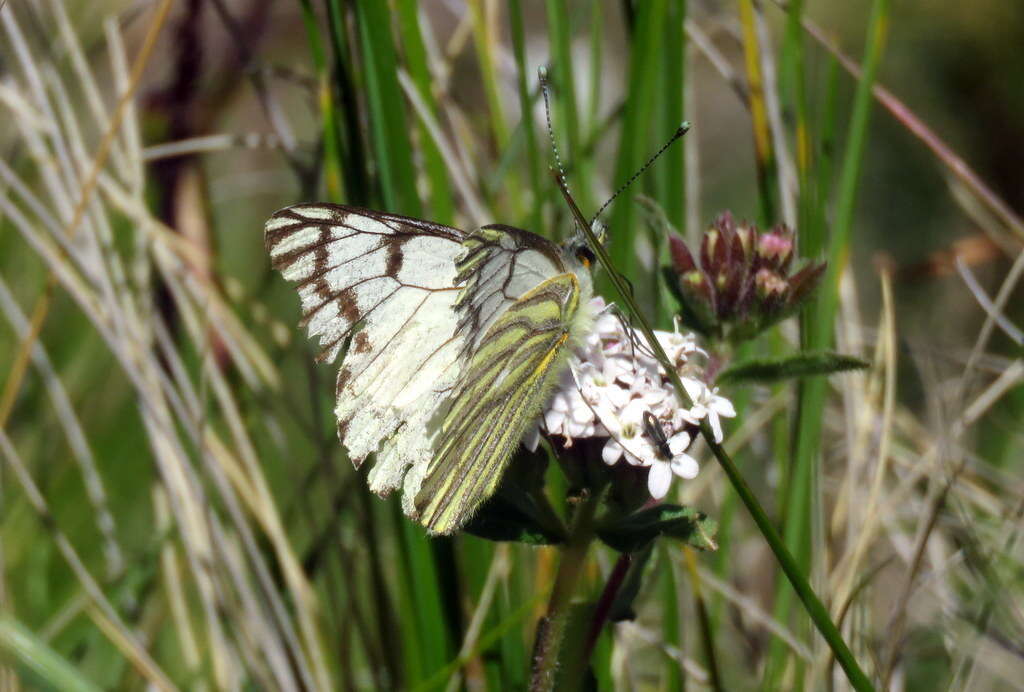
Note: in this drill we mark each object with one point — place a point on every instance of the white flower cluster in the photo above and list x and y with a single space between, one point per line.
616 389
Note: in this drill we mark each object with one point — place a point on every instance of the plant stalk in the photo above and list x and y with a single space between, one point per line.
551 628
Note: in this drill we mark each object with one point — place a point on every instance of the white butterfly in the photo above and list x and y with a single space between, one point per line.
452 342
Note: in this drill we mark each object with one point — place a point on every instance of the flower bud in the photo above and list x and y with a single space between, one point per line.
769 284
682 260
742 284
775 248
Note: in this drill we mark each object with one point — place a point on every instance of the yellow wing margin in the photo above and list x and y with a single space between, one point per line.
503 389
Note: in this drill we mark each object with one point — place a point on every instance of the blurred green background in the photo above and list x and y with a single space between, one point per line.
232 545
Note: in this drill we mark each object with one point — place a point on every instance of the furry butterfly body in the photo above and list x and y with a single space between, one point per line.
452 342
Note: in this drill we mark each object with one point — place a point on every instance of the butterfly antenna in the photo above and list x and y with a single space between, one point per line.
563 186
628 330
680 131
542 74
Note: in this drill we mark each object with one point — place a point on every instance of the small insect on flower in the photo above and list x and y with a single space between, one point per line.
615 389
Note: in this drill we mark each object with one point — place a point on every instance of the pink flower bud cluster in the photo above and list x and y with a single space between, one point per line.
742 283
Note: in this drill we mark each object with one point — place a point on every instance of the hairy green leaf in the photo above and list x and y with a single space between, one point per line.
634 532
800 365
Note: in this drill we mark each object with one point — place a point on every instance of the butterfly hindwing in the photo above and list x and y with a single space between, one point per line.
499 264
501 392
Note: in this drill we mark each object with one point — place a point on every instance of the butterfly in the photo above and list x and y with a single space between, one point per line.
452 342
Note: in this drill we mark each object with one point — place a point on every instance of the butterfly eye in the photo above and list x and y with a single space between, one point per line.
585 255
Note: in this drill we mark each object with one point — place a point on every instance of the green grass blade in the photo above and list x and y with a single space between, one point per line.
22 645
672 629
348 153
485 41
566 115
818 319
849 177
332 131
644 81
596 66
442 207
669 174
820 316
764 154
534 171
386 110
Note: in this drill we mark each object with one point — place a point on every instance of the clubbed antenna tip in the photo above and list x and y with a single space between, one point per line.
683 128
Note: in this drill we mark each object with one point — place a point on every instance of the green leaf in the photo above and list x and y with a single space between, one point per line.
634 532
800 365
505 519
24 646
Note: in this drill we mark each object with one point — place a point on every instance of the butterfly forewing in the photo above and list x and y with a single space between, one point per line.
500 394
384 284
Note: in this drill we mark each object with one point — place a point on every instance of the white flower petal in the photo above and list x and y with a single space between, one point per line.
695 389
659 478
723 406
716 425
575 429
553 420
560 403
581 411
682 417
685 466
616 395
611 452
679 442
633 412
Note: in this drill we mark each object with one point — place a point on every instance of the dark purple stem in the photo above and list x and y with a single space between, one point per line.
604 604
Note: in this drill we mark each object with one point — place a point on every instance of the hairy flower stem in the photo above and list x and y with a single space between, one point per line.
551 628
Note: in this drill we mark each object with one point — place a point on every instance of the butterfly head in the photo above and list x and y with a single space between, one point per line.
579 247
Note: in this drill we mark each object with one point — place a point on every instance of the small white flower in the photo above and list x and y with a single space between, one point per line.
706 402
612 451
678 346
680 464
596 386
614 382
